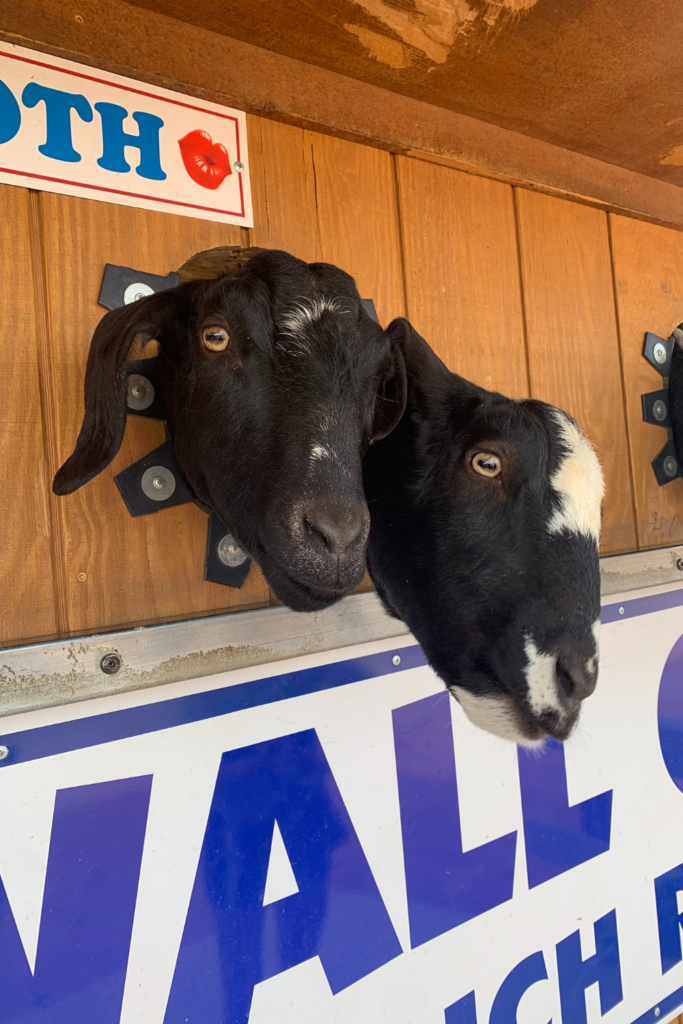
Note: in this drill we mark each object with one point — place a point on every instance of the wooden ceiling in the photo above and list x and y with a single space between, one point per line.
600 77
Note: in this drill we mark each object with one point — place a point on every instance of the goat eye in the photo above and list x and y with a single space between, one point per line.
486 464
216 339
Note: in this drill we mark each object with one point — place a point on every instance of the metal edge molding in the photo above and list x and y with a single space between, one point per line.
65 671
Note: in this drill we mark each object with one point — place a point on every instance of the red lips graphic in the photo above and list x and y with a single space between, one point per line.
207 162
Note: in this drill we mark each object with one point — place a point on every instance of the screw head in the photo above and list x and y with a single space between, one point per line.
659 410
659 353
239 166
657 1011
158 483
396 660
111 663
140 392
621 609
4 751
82 577
230 553
136 291
670 466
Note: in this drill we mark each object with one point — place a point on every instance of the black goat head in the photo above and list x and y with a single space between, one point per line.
484 540
275 381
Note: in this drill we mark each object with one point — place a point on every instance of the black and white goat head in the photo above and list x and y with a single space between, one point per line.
484 540
275 382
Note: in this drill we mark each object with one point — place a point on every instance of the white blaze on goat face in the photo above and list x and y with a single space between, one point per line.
578 482
318 452
541 679
305 312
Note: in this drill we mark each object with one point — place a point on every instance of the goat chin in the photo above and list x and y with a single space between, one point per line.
495 715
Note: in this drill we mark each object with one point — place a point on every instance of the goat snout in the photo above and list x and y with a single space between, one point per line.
337 527
576 677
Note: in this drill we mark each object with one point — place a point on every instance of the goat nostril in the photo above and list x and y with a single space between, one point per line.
574 680
338 528
565 680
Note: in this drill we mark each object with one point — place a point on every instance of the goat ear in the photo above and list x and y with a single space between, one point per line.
391 398
426 373
104 421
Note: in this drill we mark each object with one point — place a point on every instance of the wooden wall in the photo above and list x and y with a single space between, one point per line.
522 292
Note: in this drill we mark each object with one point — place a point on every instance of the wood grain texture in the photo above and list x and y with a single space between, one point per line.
27 610
462 273
147 46
283 189
358 218
572 338
150 568
322 198
648 271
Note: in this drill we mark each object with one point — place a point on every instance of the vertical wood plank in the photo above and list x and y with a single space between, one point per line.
322 198
27 609
572 338
149 568
648 270
462 273
358 218
283 189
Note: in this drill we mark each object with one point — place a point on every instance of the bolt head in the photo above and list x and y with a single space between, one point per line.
230 553
670 466
659 353
659 410
4 751
396 660
159 482
136 291
679 564
239 166
111 663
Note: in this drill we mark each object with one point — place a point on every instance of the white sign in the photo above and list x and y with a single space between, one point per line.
329 841
69 128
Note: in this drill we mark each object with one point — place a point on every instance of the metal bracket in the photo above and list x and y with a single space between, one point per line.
657 405
225 561
144 389
123 285
153 482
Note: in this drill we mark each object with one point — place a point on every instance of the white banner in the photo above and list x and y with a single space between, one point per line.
328 840
68 128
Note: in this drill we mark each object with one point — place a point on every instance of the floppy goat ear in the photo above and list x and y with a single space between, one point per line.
392 395
104 421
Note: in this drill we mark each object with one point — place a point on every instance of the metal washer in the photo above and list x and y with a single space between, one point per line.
230 553
140 392
136 290
158 483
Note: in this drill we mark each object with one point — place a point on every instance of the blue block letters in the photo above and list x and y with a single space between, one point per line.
558 837
10 114
115 140
669 920
445 885
575 974
519 980
231 941
87 916
58 107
